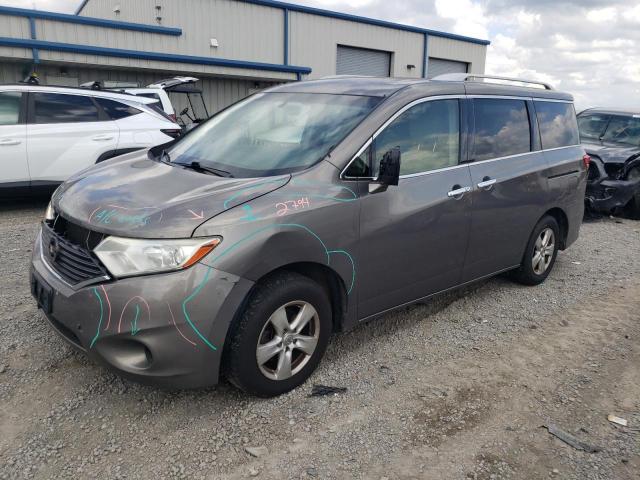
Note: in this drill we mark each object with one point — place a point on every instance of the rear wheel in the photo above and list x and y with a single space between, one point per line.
540 254
281 336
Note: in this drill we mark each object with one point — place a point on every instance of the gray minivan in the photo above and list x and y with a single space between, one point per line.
302 211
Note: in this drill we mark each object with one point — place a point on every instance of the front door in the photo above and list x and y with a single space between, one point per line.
413 236
14 170
509 184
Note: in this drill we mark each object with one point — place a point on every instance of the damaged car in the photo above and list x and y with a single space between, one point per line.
612 139
303 210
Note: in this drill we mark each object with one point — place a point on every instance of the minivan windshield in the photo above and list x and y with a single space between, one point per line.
272 133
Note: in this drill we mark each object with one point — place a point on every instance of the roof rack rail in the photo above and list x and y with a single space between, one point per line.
467 77
338 77
109 85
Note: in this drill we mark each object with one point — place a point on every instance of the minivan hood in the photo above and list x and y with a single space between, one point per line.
133 196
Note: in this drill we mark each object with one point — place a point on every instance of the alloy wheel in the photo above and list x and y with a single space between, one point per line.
288 340
543 251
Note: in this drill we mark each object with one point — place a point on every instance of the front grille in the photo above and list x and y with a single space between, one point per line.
76 234
65 250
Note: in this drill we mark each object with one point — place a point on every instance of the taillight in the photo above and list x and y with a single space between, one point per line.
172 132
173 117
586 159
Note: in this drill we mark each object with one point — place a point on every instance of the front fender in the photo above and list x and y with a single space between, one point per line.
301 222
256 252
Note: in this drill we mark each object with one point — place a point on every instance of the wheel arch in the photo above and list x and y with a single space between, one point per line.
327 278
563 223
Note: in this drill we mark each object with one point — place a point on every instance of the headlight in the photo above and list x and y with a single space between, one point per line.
125 257
49 213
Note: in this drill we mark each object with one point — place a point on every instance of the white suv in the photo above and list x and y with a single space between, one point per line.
49 133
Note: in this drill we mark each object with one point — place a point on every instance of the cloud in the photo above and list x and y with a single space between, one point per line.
606 14
586 47
467 16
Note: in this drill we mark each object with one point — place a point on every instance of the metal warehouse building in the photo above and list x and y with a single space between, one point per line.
234 46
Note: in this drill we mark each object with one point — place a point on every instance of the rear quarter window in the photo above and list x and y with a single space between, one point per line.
558 124
117 110
156 107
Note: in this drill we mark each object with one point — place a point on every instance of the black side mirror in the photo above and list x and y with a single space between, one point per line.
390 167
184 111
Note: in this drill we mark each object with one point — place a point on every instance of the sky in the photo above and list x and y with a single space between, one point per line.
585 47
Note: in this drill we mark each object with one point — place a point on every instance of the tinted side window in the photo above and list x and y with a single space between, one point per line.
10 108
558 124
61 108
428 136
502 128
156 105
592 126
116 110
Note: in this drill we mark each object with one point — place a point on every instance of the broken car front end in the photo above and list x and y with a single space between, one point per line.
612 185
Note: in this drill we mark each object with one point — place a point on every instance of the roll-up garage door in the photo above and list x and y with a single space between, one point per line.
438 66
361 61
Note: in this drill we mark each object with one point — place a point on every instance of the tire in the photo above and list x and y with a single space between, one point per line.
528 273
633 207
276 300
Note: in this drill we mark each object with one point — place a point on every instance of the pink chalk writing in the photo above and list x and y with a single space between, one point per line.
285 207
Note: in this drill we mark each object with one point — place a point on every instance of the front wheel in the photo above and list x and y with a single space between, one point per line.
540 254
281 336
633 207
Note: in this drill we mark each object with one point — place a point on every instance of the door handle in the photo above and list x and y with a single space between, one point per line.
458 192
487 183
10 141
102 138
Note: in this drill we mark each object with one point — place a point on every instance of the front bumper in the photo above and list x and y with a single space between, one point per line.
166 329
605 194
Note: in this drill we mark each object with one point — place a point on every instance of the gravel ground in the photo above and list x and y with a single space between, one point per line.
456 388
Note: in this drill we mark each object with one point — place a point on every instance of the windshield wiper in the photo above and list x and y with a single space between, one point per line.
201 168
